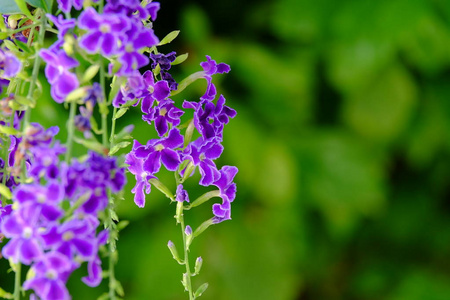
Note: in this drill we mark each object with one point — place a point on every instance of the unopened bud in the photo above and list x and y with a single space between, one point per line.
174 251
198 265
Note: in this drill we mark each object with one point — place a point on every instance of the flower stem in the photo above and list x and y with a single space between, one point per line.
70 130
37 63
17 282
186 257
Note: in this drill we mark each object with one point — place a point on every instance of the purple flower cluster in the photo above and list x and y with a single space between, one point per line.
54 226
170 150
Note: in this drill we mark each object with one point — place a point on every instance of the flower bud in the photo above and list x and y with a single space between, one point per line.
198 265
174 251
188 230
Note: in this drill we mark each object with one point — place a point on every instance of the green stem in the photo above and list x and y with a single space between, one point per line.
70 130
186 259
37 63
17 282
113 128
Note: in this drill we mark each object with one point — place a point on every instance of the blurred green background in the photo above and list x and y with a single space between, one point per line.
342 141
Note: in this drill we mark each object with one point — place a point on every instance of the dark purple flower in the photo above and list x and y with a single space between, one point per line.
158 91
165 63
210 68
209 119
57 72
227 189
83 120
49 279
160 150
105 31
9 64
142 177
163 114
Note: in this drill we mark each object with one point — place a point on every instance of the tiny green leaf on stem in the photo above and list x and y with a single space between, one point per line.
120 113
5 192
203 227
200 290
117 147
5 295
180 58
9 130
203 198
169 38
162 188
24 9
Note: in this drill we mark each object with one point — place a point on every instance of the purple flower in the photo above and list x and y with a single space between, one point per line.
133 9
210 68
182 195
227 189
162 150
132 90
63 25
142 177
162 115
165 63
105 31
209 118
202 154
49 279
21 227
9 64
66 5
72 238
138 37
154 91
57 72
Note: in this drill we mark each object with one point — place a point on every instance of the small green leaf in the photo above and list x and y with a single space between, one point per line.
5 192
25 101
5 295
200 290
24 9
23 46
203 198
122 224
169 38
11 46
180 58
120 113
9 130
91 144
162 188
118 147
90 73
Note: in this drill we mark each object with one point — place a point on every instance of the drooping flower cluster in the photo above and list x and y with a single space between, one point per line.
54 225
171 149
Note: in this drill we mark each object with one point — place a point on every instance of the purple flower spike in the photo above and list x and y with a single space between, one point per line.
57 72
49 281
157 151
9 64
104 31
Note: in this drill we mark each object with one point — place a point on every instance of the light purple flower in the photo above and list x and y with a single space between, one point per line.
182 195
142 177
62 81
104 31
10 65
227 189
210 68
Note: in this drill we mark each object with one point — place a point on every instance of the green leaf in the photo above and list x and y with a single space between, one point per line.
169 38
23 46
200 290
11 46
118 147
9 130
25 101
120 113
203 198
162 188
90 73
9 7
180 58
46 5
5 192
91 144
5 295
